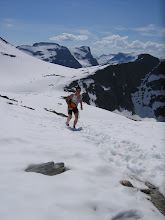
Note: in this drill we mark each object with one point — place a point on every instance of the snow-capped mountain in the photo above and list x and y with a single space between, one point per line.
52 53
122 58
57 54
107 149
83 56
117 58
104 58
73 57
137 87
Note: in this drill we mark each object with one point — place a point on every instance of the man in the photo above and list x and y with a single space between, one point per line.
73 100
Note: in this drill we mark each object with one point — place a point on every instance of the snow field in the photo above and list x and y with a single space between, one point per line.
97 158
109 148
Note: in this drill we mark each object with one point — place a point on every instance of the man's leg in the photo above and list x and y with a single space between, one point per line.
76 119
69 118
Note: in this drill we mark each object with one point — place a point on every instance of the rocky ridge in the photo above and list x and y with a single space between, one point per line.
137 87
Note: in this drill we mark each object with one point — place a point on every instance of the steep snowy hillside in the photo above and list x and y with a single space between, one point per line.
84 56
24 70
106 149
136 87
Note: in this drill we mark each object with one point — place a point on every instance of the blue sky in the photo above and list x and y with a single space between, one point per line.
106 26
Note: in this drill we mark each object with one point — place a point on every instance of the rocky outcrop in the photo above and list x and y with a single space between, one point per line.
9 55
6 97
57 113
156 197
126 183
49 168
137 87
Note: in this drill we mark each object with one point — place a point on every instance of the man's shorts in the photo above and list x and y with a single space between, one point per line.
74 110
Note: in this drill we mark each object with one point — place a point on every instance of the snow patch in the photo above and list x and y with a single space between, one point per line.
106 88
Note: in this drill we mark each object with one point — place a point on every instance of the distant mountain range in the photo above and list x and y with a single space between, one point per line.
54 53
74 57
116 58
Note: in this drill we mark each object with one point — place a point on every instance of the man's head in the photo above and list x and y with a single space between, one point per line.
78 89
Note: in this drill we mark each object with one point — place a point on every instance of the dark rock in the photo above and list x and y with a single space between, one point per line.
5 97
57 113
157 198
9 55
49 168
28 107
146 191
126 183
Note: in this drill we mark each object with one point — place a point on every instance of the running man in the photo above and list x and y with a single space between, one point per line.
73 101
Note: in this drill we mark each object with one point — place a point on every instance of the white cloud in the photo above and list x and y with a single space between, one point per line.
111 40
121 44
115 37
83 32
150 27
69 37
136 45
150 30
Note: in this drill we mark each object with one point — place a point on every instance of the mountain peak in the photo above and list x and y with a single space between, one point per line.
145 56
84 56
84 48
45 44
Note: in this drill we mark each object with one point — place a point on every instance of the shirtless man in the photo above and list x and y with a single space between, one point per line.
73 100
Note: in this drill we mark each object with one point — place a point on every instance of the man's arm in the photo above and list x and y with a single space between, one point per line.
81 104
69 98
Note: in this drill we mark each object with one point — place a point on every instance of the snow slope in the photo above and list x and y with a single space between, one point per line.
109 148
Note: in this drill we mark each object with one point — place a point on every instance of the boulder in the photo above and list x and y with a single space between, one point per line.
49 168
157 199
126 183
